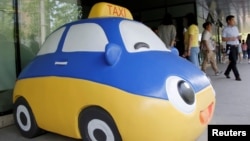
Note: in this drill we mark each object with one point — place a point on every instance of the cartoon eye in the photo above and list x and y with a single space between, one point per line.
180 94
141 45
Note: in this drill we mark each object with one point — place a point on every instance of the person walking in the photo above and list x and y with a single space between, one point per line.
244 49
248 47
230 34
208 49
191 40
240 52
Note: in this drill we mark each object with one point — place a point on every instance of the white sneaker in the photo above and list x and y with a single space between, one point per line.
218 73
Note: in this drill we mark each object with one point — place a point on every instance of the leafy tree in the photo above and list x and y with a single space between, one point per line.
62 12
56 13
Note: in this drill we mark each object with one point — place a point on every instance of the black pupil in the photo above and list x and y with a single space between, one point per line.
23 118
186 92
100 135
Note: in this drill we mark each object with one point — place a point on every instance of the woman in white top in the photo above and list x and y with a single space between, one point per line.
240 52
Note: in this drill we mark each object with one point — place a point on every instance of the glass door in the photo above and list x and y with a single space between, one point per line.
7 55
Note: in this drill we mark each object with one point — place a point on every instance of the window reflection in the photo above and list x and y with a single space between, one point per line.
37 19
41 17
7 56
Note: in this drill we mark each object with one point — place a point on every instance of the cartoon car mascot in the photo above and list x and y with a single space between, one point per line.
110 78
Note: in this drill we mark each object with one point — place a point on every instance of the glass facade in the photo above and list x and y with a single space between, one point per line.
7 54
7 50
24 26
37 19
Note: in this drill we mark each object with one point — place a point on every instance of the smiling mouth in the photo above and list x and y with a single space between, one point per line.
206 114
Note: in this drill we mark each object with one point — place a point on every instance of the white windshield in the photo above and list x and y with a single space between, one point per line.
138 37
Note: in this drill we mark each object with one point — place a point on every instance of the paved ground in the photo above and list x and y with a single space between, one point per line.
232 107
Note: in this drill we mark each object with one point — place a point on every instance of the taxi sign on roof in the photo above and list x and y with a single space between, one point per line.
103 9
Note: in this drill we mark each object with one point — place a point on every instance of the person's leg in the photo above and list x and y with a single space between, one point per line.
239 50
224 55
235 70
213 62
239 57
197 52
205 61
248 55
227 72
244 54
234 52
229 67
194 56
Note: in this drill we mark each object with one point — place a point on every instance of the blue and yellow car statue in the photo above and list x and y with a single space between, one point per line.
110 78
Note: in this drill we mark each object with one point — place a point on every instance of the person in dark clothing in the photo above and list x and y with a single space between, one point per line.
248 47
230 35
